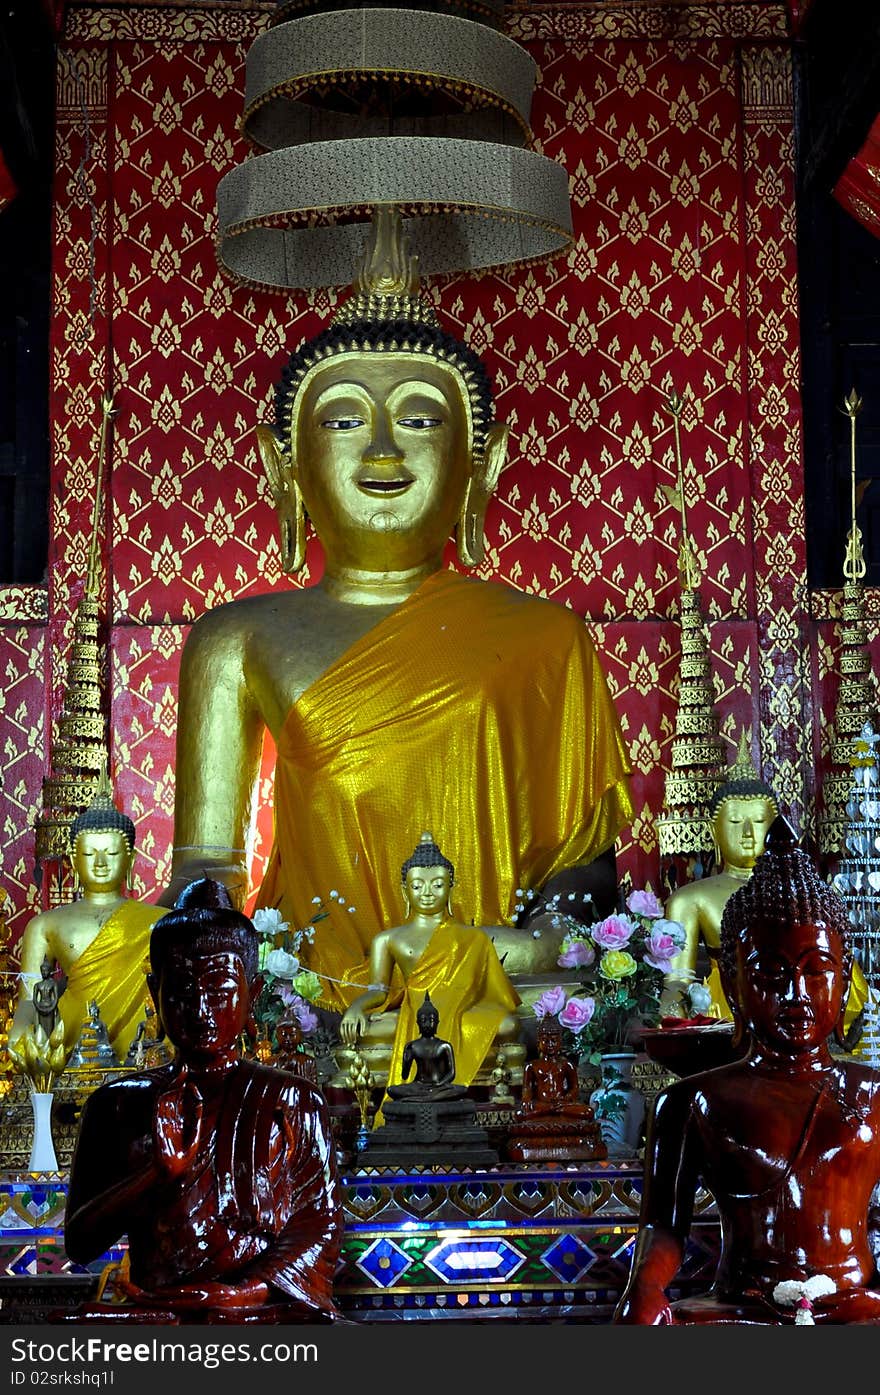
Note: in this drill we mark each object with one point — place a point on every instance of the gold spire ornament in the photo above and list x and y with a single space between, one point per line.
697 761
856 695
79 752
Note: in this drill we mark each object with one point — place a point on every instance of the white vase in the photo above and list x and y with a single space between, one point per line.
42 1157
622 1133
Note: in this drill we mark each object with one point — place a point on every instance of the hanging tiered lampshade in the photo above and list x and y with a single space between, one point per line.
422 109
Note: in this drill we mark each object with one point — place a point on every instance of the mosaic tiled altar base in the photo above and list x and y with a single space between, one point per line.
552 1244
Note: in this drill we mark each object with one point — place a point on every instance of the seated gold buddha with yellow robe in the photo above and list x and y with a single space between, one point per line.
741 812
100 941
456 965
396 690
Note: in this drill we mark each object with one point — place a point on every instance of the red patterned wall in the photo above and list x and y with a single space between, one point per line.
676 132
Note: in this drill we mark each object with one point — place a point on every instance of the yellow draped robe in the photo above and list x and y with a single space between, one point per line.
473 711
112 971
460 969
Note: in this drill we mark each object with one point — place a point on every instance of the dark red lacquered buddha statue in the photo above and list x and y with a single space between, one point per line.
221 1171
787 1139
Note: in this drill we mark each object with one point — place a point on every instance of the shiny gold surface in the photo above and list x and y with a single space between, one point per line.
456 964
390 669
738 828
100 943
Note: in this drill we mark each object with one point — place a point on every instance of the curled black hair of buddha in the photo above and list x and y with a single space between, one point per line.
427 855
204 921
387 336
102 816
741 789
784 889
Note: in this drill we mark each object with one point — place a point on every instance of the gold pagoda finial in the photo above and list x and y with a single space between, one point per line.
743 767
854 567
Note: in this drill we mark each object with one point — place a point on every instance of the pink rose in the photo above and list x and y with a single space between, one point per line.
613 932
660 948
644 903
550 1003
577 956
577 1013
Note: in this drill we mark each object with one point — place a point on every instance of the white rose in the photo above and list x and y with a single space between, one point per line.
268 923
282 964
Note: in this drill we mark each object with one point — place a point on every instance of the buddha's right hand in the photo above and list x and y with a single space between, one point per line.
353 1026
177 1126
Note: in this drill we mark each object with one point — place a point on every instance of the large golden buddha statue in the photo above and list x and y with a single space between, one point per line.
396 689
101 940
431 953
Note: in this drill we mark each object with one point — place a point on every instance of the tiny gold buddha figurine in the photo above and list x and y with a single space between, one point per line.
394 683
431 953
101 940
552 1124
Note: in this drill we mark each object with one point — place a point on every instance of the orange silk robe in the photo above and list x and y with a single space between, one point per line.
473 711
112 971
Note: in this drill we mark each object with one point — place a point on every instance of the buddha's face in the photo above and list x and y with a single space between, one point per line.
428 889
381 452
102 858
203 1001
790 985
549 1040
741 825
427 1023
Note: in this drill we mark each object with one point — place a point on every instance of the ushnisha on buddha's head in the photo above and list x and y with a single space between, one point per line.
785 954
384 433
204 957
427 878
102 845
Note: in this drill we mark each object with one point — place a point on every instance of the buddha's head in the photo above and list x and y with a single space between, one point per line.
102 844
46 967
383 428
428 878
548 1035
427 1018
204 957
740 813
785 957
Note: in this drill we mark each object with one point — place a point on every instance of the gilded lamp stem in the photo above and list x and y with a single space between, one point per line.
687 565
854 567
107 414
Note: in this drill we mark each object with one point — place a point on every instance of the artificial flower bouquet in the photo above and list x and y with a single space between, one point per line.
287 988
622 961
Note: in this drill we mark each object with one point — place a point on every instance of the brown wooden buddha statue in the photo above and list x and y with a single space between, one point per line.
787 1139
552 1123
220 1170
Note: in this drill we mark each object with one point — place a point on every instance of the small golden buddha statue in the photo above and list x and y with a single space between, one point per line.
432 953
741 812
394 682
101 941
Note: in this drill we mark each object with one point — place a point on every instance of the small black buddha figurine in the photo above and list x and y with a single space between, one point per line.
434 1061
45 997
429 1119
